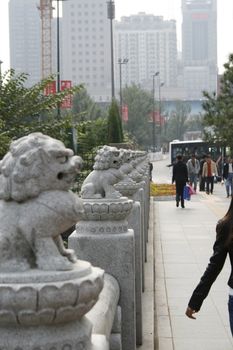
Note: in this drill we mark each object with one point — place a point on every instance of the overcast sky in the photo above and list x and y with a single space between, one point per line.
170 9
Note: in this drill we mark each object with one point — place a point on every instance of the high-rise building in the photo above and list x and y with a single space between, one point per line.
25 29
86 46
150 44
25 38
199 46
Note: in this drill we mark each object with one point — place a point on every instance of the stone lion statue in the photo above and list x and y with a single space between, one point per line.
36 205
99 183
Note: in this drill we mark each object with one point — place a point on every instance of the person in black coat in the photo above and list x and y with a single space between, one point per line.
223 246
180 177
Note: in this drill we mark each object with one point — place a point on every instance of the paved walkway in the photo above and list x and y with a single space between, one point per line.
183 240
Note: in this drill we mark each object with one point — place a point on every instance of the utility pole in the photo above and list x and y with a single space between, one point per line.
120 62
160 121
111 16
46 37
58 57
153 112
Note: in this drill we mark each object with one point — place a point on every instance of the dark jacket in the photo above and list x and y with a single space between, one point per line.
225 170
221 249
180 172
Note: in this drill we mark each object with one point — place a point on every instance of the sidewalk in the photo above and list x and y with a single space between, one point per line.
183 245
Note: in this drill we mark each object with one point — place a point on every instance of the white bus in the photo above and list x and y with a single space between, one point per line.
197 147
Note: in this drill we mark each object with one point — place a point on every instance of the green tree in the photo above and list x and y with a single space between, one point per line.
218 116
24 110
140 105
84 108
92 134
178 121
195 123
115 132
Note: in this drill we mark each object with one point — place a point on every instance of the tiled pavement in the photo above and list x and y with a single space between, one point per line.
179 247
183 240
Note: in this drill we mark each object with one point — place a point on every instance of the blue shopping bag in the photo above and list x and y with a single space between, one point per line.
186 193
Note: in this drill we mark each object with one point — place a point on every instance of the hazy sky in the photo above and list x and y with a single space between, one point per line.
167 8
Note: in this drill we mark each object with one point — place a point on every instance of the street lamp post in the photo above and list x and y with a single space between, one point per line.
120 62
111 16
58 49
153 113
160 121
58 56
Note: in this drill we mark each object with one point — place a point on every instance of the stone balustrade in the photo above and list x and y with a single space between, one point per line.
113 231
53 298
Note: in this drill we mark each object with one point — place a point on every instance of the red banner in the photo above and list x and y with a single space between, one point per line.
157 118
67 102
50 88
125 113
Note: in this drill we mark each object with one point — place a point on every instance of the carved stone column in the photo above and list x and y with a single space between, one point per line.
103 238
129 188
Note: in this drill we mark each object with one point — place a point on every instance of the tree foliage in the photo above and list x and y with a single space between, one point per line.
84 108
24 110
178 121
92 134
218 117
115 132
140 105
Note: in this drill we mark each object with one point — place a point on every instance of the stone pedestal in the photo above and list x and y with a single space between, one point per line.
129 188
104 239
45 310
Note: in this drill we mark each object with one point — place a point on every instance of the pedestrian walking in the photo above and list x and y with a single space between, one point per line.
223 246
228 176
208 172
180 177
150 170
202 178
193 166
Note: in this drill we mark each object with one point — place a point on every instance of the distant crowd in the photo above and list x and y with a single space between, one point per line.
206 172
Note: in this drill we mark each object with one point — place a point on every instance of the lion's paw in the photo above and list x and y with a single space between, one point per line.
70 254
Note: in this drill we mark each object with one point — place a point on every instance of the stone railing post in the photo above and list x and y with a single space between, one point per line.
128 188
103 237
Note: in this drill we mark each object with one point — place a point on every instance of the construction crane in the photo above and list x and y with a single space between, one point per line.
46 10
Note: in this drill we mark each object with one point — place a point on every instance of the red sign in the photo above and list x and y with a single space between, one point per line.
125 113
50 88
200 16
157 118
67 102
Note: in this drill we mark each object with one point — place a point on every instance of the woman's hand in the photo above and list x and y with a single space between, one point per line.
189 312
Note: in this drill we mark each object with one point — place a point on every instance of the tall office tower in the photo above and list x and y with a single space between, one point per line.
86 46
199 46
25 38
150 44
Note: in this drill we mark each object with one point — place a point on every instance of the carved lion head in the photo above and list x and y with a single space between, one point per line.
36 163
108 157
